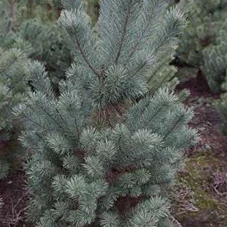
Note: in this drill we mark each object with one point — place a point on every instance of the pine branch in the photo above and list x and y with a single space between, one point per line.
161 83
61 116
12 86
77 128
136 72
186 142
173 127
157 112
124 31
11 63
85 58
157 69
138 42
30 119
51 117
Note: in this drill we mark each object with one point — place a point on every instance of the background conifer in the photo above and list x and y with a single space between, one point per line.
13 89
205 19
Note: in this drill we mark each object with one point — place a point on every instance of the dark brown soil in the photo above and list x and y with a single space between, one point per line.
207 120
14 195
198 87
206 164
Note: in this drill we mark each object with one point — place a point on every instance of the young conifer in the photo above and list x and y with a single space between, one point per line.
106 148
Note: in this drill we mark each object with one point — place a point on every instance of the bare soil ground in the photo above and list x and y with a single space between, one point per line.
202 186
14 195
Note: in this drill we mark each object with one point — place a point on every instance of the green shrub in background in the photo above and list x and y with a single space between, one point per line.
216 70
92 8
21 38
6 24
35 22
99 157
48 46
13 89
13 86
205 19
215 61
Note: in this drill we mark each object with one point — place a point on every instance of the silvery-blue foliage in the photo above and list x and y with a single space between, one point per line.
106 148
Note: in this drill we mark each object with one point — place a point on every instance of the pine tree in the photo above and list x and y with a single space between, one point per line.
105 149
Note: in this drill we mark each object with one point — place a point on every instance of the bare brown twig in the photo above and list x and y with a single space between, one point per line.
13 13
14 216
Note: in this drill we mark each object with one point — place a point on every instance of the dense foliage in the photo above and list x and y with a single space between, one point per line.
22 36
205 19
35 23
215 61
13 88
216 68
105 149
92 9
